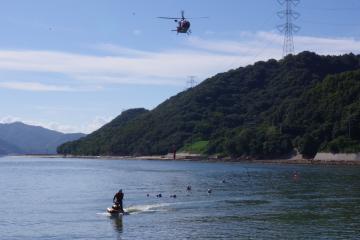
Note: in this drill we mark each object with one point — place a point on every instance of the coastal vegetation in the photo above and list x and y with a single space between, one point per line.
303 103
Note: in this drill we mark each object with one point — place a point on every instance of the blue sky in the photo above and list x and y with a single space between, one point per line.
74 65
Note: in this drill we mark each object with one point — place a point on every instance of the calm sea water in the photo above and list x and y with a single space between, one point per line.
67 198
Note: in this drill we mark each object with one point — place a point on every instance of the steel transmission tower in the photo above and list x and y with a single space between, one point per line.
192 82
288 28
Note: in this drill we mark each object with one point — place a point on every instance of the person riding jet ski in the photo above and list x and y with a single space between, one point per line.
118 201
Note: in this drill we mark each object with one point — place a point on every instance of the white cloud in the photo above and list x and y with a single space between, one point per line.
33 86
320 45
121 65
88 127
96 123
9 119
236 48
137 32
210 32
119 50
140 69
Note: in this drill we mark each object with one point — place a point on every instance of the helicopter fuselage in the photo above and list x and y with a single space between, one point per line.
183 26
183 23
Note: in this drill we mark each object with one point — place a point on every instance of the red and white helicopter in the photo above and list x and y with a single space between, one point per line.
183 23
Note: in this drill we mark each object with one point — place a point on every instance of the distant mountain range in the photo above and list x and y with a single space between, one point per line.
20 138
303 103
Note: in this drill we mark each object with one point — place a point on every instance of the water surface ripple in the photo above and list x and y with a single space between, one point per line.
67 198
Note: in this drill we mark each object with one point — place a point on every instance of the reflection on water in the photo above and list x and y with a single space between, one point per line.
117 222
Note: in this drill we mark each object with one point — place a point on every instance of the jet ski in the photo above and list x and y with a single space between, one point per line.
115 210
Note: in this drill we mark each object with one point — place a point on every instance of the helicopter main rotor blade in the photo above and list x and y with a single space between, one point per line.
198 18
168 18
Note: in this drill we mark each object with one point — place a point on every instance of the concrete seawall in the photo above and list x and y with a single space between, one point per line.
337 157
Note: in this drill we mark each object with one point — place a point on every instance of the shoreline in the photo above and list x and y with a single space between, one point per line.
200 159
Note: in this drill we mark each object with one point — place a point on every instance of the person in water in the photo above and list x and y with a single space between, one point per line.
118 200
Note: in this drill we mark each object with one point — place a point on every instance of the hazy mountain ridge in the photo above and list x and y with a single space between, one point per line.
262 110
20 138
7 148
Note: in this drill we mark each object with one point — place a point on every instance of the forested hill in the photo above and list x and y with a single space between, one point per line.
107 139
304 102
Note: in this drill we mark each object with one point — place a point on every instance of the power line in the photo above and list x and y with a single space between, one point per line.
288 28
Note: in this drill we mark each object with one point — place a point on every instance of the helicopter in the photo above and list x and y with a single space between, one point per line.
183 23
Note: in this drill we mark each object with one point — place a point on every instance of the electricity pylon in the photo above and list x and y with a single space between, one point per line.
288 28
